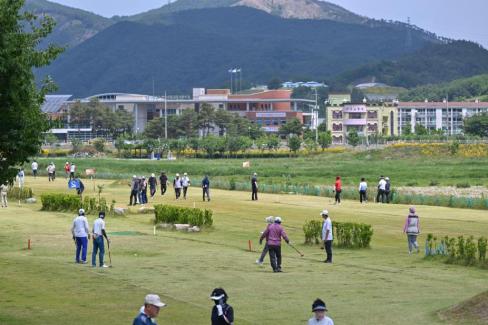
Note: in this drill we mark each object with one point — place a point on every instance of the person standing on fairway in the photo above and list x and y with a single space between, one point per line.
319 309
387 189
72 171
21 177
254 185
206 188
412 229
153 184
34 167
338 190
81 234
380 197
327 236
50 172
98 244
133 190
3 194
363 187
273 235
269 221
163 180
177 185
67 168
152 305
185 183
222 313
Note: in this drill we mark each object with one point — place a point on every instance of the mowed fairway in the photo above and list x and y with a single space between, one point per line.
381 285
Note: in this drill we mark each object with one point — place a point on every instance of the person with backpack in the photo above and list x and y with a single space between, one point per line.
206 188
153 184
260 260
412 229
163 180
363 187
273 235
222 313
338 190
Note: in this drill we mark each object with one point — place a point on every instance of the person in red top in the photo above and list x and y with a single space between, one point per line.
67 168
338 190
273 235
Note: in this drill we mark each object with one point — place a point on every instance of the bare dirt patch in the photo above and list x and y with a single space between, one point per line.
472 310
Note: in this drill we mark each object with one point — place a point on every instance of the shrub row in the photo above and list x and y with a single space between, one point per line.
460 250
16 193
174 215
71 203
346 234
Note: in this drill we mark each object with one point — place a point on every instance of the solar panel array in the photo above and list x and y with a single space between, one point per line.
53 103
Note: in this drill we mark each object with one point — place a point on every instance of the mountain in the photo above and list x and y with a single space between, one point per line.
298 9
434 63
458 90
197 47
73 26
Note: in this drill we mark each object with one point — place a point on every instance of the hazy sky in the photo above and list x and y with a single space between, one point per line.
451 18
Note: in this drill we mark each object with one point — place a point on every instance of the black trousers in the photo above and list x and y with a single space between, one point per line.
362 196
275 257
328 250
178 192
254 195
163 189
185 189
387 196
380 196
206 191
133 194
338 196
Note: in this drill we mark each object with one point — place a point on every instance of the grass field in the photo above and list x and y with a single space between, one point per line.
381 285
404 166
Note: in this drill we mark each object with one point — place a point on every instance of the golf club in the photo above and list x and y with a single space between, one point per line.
301 254
109 254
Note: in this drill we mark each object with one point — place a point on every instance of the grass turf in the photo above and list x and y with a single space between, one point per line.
381 285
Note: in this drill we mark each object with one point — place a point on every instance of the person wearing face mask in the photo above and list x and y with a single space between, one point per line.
222 313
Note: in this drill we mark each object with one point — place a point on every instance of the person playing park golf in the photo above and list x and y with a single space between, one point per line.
133 190
273 235
72 171
338 190
363 187
387 189
153 183
50 172
3 194
206 188
380 197
67 168
152 305
81 233
327 235
222 313
21 177
185 183
98 245
177 185
319 308
254 186
412 229
34 167
163 180
260 260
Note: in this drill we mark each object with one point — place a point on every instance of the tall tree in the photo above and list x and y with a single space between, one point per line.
206 118
22 121
292 127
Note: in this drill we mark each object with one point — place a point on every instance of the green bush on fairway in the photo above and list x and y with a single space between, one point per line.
173 215
19 193
346 234
71 203
460 250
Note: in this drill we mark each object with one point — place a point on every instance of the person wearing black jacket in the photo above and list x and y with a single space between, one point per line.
163 180
206 188
254 185
222 313
153 183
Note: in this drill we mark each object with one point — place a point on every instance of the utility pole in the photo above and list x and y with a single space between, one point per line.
165 116
316 116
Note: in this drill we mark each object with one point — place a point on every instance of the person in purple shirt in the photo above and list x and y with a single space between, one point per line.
273 235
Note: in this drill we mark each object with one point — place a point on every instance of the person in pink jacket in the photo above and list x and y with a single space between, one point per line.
412 229
273 235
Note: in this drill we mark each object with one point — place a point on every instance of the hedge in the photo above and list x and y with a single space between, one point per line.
458 250
19 193
174 215
346 234
72 203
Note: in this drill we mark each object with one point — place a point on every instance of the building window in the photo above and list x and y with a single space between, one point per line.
372 114
372 127
337 115
121 107
221 106
355 115
337 127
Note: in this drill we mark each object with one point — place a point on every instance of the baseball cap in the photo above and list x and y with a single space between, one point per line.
101 214
177 175
277 220
319 305
152 299
134 176
81 212
324 213
185 174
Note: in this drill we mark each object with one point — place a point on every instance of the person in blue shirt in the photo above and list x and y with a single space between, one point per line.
152 305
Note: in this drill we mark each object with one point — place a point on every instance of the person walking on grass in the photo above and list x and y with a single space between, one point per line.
320 318
67 168
380 197
387 189
133 191
98 233
363 187
21 177
34 167
50 172
338 190
185 183
72 171
163 180
3 195
273 235
152 306
143 189
254 186
222 313
81 234
260 260
153 184
206 188
327 236
412 229
177 185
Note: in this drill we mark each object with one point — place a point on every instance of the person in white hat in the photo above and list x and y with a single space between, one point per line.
153 184
81 234
177 185
254 186
327 236
269 221
185 183
152 305
273 235
134 184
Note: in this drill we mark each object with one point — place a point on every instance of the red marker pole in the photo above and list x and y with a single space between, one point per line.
250 245
29 244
